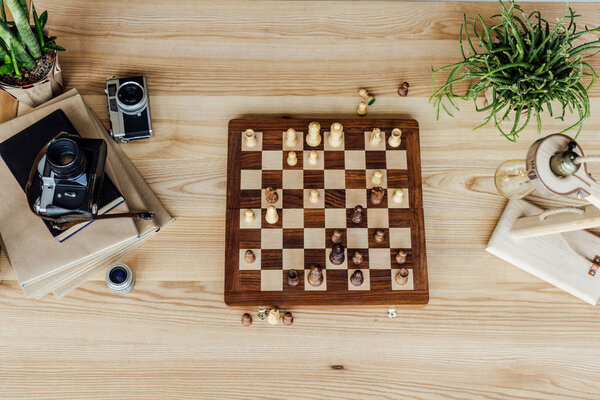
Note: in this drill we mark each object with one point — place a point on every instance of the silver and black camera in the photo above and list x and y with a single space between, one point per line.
128 108
71 174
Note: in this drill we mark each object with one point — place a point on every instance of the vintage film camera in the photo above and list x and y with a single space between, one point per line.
128 108
71 173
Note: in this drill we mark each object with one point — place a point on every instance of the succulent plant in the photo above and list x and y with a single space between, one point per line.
524 67
20 43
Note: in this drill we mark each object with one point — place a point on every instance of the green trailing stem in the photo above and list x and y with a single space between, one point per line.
21 17
15 45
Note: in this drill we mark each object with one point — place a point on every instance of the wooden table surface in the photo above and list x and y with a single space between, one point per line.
490 329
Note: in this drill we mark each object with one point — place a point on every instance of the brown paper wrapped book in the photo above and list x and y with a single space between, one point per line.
42 264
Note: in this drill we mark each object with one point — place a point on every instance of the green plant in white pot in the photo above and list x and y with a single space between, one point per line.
29 69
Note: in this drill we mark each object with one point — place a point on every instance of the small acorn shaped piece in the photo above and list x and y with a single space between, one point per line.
246 319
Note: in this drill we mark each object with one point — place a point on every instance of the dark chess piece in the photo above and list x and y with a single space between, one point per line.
402 277
357 278
246 319
401 257
315 276
292 278
357 214
288 318
337 256
357 258
271 195
379 235
249 256
336 237
403 89
377 195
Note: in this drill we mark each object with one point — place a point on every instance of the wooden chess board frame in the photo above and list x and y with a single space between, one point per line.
264 282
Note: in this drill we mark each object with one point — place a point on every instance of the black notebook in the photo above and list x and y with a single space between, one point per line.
20 151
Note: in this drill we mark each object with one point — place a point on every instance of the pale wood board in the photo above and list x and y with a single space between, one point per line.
490 329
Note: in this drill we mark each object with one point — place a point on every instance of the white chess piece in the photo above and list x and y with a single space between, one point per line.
290 138
375 137
271 216
250 138
313 138
314 196
335 134
249 215
398 196
361 109
313 157
377 178
292 159
395 137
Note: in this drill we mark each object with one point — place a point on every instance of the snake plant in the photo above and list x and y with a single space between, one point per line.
20 44
524 67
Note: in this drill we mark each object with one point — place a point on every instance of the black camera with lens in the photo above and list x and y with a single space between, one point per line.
71 173
128 108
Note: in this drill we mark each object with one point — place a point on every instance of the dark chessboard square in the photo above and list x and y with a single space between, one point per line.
384 201
272 140
397 178
381 279
373 244
399 217
314 256
298 288
251 160
249 280
334 159
314 218
271 259
329 234
409 258
337 280
335 198
265 225
293 238
352 224
375 159
299 157
314 179
273 178
250 239
356 179
320 146
293 198
365 261
354 138
250 198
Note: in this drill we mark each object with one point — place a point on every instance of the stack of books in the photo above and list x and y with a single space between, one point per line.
46 260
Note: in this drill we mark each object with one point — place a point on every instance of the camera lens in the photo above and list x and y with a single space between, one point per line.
118 275
120 279
131 97
65 159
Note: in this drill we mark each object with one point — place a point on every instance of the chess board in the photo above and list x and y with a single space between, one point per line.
302 235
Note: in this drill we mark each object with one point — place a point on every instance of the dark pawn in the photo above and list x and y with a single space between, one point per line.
379 235
357 278
401 257
337 256
357 258
403 89
357 214
246 319
288 318
377 195
271 195
292 278
336 237
315 276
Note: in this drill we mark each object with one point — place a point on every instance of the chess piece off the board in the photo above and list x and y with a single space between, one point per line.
337 255
249 215
357 278
313 138
375 137
271 195
403 89
249 256
377 195
395 138
292 158
401 277
357 214
246 319
401 257
361 109
271 216
292 278
315 275
273 316
250 138
398 196
357 258
335 134
336 236
290 138
288 318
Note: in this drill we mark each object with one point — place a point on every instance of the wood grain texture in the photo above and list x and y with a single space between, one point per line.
489 331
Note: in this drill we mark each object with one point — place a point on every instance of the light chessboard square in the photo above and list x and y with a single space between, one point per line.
250 266
293 218
293 259
380 259
380 146
271 280
255 224
400 238
314 238
335 218
271 238
366 282
378 218
278 204
396 159
299 142
319 204
356 197
335 179
250 179
293 179
354 159
309 287
329 265
328 147
410 285
357 238
258 146
392 203
272 160
369 177
320 160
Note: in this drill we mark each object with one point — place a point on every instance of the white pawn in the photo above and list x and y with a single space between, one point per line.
271 216
395 137
313 138
290 138
250 138
313 157
377 178
375 138
249 215
292 159
314 196
398 196
335 134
